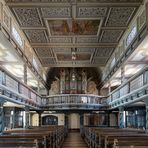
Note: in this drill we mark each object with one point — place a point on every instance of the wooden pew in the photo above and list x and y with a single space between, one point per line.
21 141
109 137
48 136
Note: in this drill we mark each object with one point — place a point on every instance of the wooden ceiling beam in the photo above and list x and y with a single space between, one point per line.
113 28
137 62
64 45
107 3
73 65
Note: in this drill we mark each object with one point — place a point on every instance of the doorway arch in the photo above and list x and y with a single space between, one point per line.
50 120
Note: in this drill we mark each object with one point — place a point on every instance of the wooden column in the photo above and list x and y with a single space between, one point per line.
27 117
121 117
40 117
1 117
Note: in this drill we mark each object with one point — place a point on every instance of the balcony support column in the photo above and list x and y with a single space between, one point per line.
14 118
40 117
66 123
121 117
27 117
108 118
146 119
81 123
1 116
146 102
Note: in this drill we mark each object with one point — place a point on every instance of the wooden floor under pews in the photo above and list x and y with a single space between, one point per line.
55 137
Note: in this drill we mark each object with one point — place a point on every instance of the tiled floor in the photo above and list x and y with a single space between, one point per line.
74 140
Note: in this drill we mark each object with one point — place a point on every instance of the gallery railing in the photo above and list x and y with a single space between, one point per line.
13 90
133 90
73 101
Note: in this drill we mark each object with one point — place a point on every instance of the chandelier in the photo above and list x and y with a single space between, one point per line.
73 58
73 54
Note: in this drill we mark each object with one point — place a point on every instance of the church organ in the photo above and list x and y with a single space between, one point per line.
73 81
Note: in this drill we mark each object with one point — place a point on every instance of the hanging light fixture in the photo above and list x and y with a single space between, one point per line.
73 54
73 57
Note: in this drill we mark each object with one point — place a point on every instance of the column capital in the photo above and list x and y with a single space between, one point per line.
2 102
39 111
146 101
26 108
108 111
121 108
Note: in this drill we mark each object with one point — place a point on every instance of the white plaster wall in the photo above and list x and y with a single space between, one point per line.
35 120
74 121
113 120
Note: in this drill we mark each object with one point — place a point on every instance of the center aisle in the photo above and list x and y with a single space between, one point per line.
74 140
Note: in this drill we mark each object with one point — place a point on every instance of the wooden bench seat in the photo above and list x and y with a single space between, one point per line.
109 137
39 137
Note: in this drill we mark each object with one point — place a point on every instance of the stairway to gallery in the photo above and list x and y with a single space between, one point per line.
74 140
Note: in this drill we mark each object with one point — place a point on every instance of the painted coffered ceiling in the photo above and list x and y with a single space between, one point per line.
92 28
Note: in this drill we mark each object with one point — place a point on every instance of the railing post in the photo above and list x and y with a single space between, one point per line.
1 116
121 117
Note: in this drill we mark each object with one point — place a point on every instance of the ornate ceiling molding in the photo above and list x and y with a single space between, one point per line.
111 36
93 27
60 39
56 12
74 1
94 12
28 16
36 36
119 16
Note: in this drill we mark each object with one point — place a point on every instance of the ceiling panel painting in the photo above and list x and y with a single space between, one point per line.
74 27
